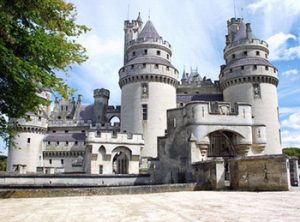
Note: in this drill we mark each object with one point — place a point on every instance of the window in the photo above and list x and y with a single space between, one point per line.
255 67
57 142
67 143
242 67
133 53
256 90
144 90
83 131
66 131
53 131
145 111
62 161
168 56
145 51
66 108
144 65
168 68
267 68
157 52
245 53
230 70
49 142
132 66
50 161
76 142
59 117
40 118
28 140
61 108
100 169
181 104
156 66
233 56
257 53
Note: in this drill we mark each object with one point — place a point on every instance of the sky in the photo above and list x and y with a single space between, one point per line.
196 30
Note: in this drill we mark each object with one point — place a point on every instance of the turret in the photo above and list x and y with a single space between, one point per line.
248 76
25 152
101 97
148 82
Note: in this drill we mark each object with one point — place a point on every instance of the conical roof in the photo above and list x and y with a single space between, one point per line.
149 31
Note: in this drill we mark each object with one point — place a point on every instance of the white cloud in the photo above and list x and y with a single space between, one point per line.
279 49
291 73
96 46
290 134
275 15
293 121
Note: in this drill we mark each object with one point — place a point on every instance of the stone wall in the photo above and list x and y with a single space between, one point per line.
260 173
8 180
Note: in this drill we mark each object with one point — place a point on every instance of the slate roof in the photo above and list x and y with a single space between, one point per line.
204 97
149 32
151 60
70 137
248 61
86 112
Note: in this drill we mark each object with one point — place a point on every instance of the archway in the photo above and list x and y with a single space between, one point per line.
114 120
120 161
222 144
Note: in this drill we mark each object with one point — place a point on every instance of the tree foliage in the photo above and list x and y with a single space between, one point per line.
292 151
37 39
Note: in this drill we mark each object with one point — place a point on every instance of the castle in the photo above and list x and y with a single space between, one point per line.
165 124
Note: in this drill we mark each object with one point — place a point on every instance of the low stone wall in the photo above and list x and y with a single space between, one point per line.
209 175
260 173
59 192
9 180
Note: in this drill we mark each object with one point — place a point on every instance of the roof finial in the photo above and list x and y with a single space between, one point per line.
149 14
242 13
234 9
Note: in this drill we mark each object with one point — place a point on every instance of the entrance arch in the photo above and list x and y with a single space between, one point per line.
120 161
222 144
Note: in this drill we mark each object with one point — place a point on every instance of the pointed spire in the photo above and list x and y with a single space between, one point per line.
139 19
149 31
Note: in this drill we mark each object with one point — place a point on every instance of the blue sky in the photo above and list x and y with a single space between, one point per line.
196 30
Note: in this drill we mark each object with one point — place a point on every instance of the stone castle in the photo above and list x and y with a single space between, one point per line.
165 126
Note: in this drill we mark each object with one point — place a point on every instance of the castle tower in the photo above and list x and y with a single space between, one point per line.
25 155
249 77
101 97
148 82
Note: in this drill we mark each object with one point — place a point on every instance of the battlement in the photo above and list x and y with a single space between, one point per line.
234 20
113 109
246 42
111 137
159 41
101 92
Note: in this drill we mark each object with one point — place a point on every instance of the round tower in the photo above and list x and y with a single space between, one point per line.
249 77
101 97
25 153
148 82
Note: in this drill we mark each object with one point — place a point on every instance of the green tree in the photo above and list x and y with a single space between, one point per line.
37 39
292 151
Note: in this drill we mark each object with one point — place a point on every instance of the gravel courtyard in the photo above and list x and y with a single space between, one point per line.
177 206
